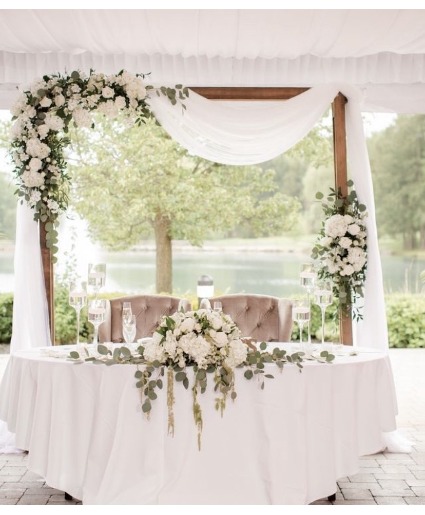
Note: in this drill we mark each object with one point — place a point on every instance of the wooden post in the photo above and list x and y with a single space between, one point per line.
340 164
46 258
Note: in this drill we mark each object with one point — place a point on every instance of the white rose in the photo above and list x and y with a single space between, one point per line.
34 198
353 229
53 205
187 325
120 102
45 102
108 92
43 130
59 100
220 339
35 164
345 242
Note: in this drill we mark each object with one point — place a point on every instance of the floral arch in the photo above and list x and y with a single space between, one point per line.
42 116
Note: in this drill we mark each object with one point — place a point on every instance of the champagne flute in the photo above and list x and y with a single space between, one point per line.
205 304
78 299
126 310
307 280
182 306
97 314
217 306
129 328
301 315
97 276
324 298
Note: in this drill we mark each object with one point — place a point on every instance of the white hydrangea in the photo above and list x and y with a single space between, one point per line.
35 197
335 226
19 105
82 117
154 352
32 179
120 103
238 352
36 148
54 122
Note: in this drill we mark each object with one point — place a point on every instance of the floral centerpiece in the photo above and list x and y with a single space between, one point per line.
341 247
42 115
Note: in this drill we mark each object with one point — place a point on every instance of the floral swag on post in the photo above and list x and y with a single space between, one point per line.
42 115
341 247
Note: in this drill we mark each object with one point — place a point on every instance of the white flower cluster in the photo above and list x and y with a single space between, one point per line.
203 337
344 244
45 109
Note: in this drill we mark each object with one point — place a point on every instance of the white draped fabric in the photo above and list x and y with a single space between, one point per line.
254 132
30 316
368 48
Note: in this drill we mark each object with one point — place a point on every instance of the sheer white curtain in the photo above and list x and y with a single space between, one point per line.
30 316
253 132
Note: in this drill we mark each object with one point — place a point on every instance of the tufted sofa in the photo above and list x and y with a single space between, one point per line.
148 310
260 317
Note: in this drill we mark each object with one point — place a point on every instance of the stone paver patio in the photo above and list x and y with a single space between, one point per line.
384 478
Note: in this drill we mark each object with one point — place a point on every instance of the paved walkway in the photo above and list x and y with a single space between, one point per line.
384 478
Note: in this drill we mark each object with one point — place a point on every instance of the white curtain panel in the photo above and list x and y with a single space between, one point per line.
30 315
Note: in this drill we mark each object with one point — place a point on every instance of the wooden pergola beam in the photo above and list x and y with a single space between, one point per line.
341 177
47 262
243 93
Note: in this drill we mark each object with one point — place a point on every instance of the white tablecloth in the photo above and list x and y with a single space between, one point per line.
286 444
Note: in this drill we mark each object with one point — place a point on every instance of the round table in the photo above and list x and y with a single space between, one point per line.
287 444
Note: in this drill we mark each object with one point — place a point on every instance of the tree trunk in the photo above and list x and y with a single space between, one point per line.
164 271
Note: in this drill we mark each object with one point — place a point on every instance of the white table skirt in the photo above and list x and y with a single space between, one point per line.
286 444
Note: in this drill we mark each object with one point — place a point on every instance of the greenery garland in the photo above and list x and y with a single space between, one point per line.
42 116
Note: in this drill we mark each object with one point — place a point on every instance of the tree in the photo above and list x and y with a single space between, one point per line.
7 199
398 171
130 181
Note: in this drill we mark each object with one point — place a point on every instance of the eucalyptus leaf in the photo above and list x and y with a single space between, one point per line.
248 374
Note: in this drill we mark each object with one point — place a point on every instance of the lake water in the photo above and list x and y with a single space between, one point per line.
269 273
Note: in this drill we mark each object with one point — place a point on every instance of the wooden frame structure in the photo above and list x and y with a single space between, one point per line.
243 93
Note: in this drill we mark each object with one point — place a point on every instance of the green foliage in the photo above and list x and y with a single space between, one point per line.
6 311
406 321
397 157
7 208
127 190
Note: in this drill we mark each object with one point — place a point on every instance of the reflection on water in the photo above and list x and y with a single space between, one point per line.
269 273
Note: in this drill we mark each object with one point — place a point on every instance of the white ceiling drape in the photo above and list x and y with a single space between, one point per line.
367 48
